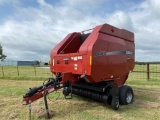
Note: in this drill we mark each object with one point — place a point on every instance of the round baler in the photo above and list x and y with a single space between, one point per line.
92 64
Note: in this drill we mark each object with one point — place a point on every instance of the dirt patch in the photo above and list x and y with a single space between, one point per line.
65 102
147 104
151 92
117 117
41 113
2 104
13 116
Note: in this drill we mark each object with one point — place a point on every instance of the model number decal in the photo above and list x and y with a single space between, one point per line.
104 53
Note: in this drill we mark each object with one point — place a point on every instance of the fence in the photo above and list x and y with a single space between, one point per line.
146 71
25 72
142 70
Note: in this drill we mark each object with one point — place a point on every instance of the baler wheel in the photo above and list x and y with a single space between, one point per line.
115 103
126 95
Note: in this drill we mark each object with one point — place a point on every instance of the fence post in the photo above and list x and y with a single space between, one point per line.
17 70
35 70
2 71
148 71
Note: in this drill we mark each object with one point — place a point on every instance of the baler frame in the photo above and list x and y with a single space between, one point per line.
108 94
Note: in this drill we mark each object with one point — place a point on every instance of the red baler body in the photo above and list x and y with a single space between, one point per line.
106 54
93 65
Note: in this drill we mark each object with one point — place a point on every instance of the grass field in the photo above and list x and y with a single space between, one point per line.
41 73
24 73
146 105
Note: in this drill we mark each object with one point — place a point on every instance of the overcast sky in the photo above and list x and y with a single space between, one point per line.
29 29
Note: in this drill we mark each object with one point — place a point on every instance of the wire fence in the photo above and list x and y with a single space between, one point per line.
146 71
25 72
142 71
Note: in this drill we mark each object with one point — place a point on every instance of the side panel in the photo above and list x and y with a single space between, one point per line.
67 45
68 63
86 48
109 58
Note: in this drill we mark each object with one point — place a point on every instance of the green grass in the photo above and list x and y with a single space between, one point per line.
146 105
39 73
24 73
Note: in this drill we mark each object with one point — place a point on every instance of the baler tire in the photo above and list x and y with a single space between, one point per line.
66 92
125 95
115 103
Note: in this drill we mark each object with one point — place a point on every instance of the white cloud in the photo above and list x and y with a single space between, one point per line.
31 33
122 20
83 4
154 5
9 2
44 4
146 19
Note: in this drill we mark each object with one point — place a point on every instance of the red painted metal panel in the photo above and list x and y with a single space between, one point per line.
106 54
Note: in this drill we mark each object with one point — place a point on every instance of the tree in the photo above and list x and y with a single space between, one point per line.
37 62
2 56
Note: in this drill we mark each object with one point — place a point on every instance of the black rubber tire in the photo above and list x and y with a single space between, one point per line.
115 103
66 91
126 95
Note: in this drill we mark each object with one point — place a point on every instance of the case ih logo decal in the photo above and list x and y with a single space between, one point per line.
104 53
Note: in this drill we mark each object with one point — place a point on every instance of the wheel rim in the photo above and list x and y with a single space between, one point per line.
129 97
117 103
